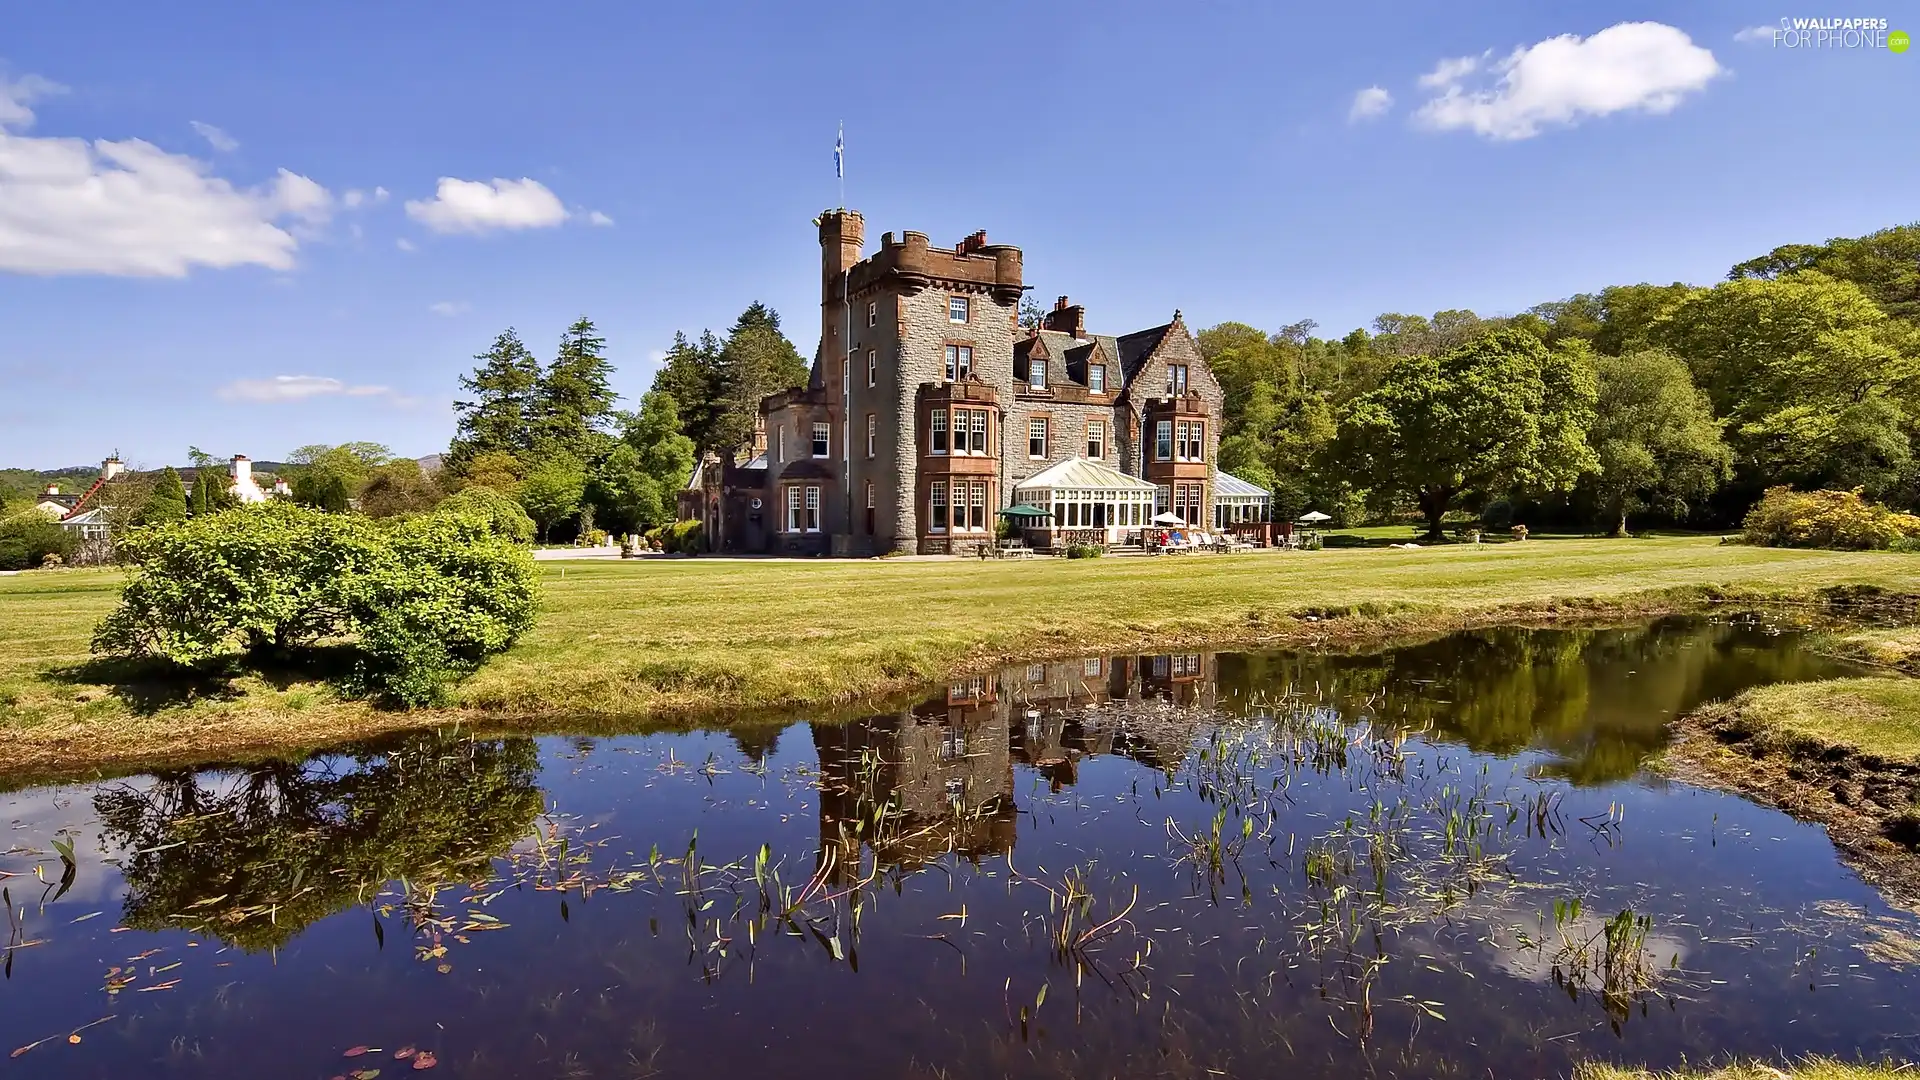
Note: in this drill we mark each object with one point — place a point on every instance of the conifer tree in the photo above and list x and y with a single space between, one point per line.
499 414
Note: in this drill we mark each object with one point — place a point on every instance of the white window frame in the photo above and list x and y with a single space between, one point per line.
1097 378
959 362
937 440
873 432
813 509
1037 430
1162 498
1163 440
1036 374
977 507
793 509
937 499
873 313
962 304
977 430
1097 436
873 366
822 428
1176 379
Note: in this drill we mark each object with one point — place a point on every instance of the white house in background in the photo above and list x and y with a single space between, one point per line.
241 484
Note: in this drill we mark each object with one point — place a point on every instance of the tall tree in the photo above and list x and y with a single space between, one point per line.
691 375
574 399
398 487
1654 436
1499 411
166 502
498 413
756 361
552 489
1819 384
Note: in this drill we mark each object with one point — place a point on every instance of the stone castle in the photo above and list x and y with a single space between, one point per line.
929 410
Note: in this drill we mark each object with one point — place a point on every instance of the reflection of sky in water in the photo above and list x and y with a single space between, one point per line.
621 982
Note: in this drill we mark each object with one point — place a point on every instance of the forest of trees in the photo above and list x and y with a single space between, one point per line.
553 437
1673 402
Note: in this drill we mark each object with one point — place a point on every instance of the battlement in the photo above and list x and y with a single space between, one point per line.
911 260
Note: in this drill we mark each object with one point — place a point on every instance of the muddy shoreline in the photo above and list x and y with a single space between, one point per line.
1855 795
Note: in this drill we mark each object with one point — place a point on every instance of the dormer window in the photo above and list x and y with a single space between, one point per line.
1037 374
958 308
1097 378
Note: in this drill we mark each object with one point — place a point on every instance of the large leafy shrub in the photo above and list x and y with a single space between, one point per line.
28 538
1825 519
504 515
422 601
449 594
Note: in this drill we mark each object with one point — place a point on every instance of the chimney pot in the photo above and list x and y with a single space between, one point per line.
1060 304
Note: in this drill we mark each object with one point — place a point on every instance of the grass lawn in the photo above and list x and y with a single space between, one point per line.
1810 1069
670 636
1878 717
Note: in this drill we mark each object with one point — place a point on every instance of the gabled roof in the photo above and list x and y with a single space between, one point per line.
1134 348
1079 472
1227 485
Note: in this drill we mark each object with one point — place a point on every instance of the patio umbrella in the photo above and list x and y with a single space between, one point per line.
1315 516
1023 511
1169 519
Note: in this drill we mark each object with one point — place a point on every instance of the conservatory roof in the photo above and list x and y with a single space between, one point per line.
1228 486
1082 473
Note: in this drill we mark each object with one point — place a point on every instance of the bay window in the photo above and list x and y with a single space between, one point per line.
937 427
1163 440
937 508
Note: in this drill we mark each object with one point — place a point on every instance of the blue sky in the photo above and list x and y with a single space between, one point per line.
307 243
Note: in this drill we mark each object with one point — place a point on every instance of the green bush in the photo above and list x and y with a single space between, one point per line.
28 538
1084 551
1825 519
681 537
422 601
448 594
504 515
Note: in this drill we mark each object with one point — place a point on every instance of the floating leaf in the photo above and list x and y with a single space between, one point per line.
356 1051
426 1060
404 1053
366 1074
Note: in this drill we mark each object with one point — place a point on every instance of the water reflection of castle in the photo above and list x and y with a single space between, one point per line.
938 777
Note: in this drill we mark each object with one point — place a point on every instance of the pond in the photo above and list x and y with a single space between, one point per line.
1445 859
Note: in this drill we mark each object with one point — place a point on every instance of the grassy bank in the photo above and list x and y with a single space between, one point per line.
1810 1069
670 637
1845 753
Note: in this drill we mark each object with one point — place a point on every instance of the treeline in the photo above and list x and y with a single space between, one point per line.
551 435
1679 402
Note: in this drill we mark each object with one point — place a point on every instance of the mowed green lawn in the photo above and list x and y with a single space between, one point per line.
655 636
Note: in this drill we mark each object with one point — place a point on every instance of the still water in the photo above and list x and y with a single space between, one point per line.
1435 861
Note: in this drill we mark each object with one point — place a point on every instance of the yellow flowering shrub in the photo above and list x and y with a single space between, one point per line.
1825 519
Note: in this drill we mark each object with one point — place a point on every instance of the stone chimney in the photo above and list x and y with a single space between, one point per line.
242 471
111 468
1065 318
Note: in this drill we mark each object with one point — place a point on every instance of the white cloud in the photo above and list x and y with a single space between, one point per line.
355 198
405 244
294 388
478 206
1644 67
449 307
128 208
216 138
1757 33
599 219
1368 104
16 95
1448 72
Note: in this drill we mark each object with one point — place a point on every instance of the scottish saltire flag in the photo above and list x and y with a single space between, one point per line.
840 154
